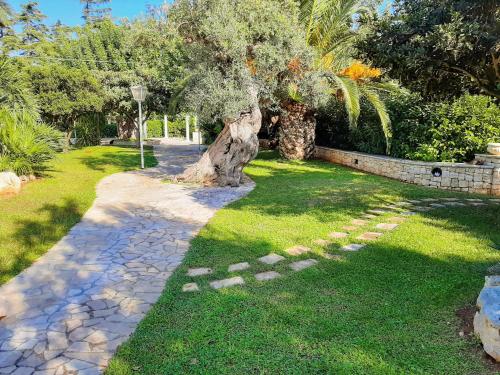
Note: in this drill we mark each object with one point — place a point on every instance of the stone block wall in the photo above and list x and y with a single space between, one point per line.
483 179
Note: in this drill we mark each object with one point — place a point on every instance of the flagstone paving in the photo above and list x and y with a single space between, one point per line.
70 310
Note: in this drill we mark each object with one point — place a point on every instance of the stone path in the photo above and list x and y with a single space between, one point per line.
404 209
70 310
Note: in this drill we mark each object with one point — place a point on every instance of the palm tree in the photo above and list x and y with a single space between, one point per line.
331 31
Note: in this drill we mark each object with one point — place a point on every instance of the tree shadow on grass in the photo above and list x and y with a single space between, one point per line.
53 221
385 309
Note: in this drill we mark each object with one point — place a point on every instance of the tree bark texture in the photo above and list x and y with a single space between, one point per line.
297 132
126 128
222 164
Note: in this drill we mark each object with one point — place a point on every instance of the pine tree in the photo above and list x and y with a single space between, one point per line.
31 20
5 18
93 10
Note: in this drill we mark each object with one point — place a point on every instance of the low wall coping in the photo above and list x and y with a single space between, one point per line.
411 162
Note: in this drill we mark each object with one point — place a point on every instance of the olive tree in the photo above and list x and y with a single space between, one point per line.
244 55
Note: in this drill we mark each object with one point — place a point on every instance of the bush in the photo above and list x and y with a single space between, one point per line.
421 131
410 117
176 127
461 129
155 128
109 130
88 129
25 145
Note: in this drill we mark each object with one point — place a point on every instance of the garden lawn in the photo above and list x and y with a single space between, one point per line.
45 210
390 308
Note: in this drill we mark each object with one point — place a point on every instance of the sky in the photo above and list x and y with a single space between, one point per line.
69 12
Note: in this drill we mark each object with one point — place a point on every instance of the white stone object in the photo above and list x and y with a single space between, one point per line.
226 283
303 264
352 247
266 276
271 259
9 183
238 267
192 272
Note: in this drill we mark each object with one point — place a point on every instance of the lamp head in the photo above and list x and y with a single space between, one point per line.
139 93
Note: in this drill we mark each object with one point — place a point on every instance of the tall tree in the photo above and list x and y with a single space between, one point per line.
8 37
65 94
34 30
5 17
95 10
440 48
15 92
240 51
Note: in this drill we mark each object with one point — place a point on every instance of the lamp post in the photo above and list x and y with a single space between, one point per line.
139 93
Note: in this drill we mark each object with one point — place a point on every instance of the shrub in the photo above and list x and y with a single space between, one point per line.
176 127
25 145
410 117
109 131
461 128
88 129
155 128
422 131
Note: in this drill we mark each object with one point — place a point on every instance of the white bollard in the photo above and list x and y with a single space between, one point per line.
165 126
187 128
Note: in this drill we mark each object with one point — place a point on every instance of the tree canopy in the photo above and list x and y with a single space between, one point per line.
440 48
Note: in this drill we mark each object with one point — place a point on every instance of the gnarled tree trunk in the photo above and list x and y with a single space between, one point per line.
126 128
222 164
297 132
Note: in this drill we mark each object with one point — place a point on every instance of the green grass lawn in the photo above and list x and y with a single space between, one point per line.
387 309
34 220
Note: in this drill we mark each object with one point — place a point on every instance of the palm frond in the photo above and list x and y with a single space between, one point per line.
351 94
378 104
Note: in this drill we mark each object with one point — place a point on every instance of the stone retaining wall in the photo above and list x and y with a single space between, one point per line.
484 179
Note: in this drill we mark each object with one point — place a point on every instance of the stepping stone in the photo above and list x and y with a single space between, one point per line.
408 213
397 219
271 259
437 205
303 264
377 211
495 200
350 228
266 276
385 226
414 201
474 200
190 287
353 247
238 267
449 199
404 203
199 271
369 216
422 209
333 256
338 235
477 204
370 236
226 283
322 242
359 222
455 204
393 207
298 250
429 200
